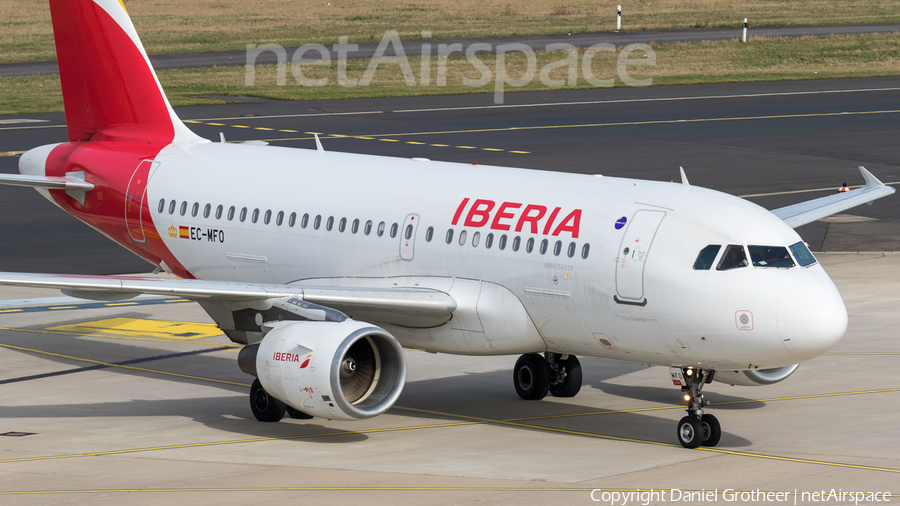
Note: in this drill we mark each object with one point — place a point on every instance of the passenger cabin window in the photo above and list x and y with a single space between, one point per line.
255 217
585 250
292 220
183 208
733 258
317 222
529 246
279 218
304 221
428 233
449 237
707 257
516 242
172 205
329 224
381 229
368 228
770 256
571 251
476 237
802 254
342 225
206 210
267 217
195 209
231 213
544 245
502 242
243 214
557 248
462 238
162 205
489 241
355 227
408 233
219 211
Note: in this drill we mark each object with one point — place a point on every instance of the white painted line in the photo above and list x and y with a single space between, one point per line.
555 104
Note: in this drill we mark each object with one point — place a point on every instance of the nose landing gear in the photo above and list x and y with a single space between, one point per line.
534 376
697 428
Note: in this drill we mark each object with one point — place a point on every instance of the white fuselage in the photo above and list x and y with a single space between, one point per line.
647 305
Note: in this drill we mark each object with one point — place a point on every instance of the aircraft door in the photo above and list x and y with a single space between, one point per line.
408 236
134 201
633 254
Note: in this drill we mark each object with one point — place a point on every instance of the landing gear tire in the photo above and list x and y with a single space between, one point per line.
296 414
531 377
690 432
712 431
571 384
265 407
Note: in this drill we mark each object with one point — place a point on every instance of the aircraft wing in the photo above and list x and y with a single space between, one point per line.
409 302
812 210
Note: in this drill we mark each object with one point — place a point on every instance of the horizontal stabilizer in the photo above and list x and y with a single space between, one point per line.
812 210
47 182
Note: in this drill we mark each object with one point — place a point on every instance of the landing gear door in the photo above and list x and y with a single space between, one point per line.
633 254
408 236
135 197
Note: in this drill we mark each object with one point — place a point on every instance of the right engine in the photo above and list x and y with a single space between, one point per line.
345 370
753 378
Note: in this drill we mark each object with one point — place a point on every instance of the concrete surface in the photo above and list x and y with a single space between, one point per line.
178 428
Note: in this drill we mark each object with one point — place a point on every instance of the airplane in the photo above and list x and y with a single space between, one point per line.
326 265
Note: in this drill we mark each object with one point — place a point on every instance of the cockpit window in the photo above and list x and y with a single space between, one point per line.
802 254
733 258
706 257
770 256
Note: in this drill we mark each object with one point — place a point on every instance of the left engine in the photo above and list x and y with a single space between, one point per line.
345 370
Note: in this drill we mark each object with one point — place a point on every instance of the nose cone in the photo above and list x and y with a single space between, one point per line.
811 319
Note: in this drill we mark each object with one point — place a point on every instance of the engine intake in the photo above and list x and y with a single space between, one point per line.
341 371
752 378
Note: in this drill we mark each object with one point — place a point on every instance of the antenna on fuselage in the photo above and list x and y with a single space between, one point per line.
684 179
222 137
319 147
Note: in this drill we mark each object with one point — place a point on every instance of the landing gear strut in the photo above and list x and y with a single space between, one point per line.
557 374
697 428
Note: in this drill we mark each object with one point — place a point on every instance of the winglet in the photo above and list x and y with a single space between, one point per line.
319 147
684 179
871 181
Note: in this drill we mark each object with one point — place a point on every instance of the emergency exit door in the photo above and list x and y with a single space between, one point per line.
633 254
408 236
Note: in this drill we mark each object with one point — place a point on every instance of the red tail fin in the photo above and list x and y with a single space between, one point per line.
110 90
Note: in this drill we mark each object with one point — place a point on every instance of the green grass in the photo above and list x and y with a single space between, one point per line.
199 25
707 62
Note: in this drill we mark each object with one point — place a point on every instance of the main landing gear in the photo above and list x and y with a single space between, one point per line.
557 374
697 428
269 409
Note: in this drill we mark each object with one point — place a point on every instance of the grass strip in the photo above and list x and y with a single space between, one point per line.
837 56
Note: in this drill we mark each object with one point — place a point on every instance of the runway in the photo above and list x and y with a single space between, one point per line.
108 404
774 142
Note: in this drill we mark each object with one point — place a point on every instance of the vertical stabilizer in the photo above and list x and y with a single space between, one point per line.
110 90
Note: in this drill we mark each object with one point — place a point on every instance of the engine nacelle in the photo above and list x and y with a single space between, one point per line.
752 378
346 370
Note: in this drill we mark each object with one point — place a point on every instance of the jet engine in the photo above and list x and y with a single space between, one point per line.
752 378
345 370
